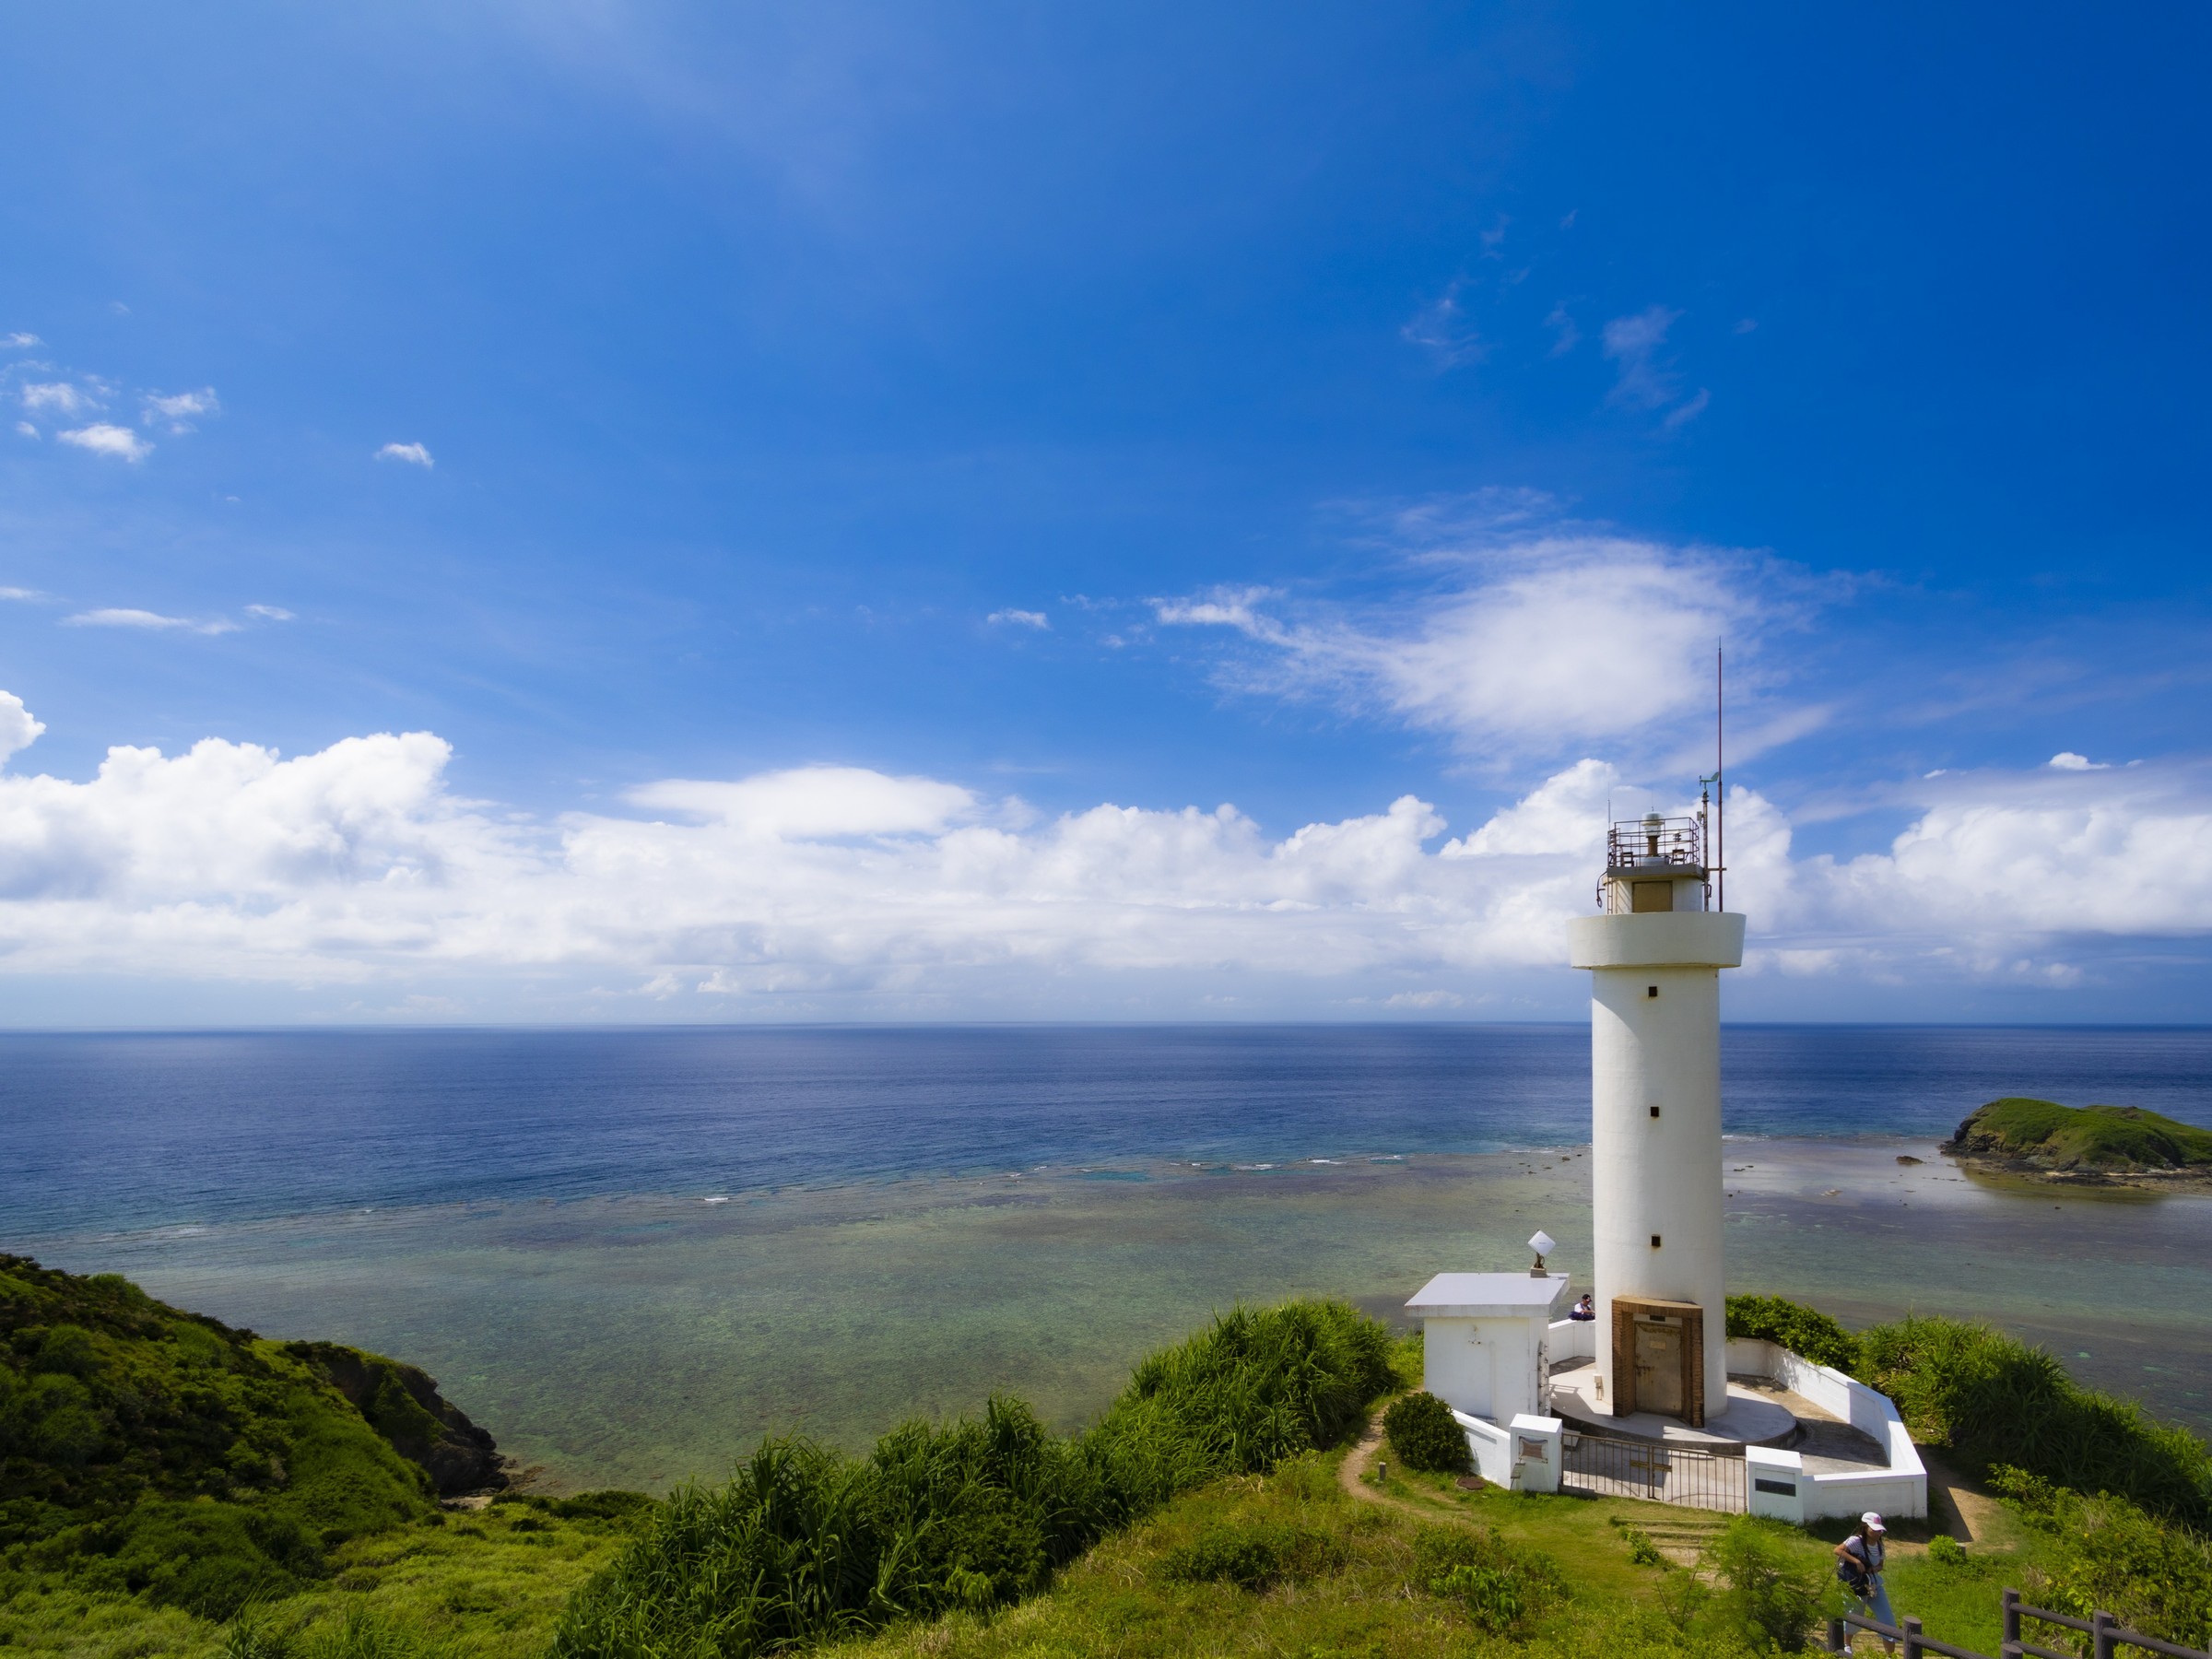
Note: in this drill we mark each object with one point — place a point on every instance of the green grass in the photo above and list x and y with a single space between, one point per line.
481 1585
2105 1138
807 1545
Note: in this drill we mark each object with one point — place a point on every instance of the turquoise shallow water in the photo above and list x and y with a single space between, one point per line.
639 1339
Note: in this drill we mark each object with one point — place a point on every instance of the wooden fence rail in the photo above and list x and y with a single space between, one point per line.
2107 1636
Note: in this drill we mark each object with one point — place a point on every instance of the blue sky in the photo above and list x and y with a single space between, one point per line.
981 442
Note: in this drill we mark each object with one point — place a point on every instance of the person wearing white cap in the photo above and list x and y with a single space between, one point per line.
1859 1566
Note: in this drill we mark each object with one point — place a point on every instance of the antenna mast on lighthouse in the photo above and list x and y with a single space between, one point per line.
1718 850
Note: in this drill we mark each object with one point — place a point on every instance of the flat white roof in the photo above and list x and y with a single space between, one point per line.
1488 1295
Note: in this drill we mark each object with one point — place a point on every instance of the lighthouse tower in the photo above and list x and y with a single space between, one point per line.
1655 952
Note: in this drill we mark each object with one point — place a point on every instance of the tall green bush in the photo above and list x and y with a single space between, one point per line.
2106 1552
1993 1399
804 1544
1804 1331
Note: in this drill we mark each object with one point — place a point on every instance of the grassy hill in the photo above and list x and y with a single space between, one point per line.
162 1453
2104 1140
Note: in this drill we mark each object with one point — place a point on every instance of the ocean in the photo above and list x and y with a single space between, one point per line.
631 1253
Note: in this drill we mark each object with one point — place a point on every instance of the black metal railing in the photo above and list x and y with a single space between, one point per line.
1656 843
2106 1636
1608 1466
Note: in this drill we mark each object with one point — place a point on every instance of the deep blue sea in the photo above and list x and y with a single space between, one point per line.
118 1132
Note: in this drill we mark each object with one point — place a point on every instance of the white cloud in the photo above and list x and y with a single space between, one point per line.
58 397
18 731
1023 618
1634 343
271 613
1566 335
178 408
26 595
414 454
102 439
1558 639
2067 761
1683 413
18 341
359 863
26 428
1441 328
121 617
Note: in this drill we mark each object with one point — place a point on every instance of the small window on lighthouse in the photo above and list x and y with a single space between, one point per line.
1654 1111
1651 990
1651 896
1655 1240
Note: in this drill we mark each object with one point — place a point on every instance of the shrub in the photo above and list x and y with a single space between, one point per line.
1772 1595
1642 1552
805 1544
1499 1587
1802 1330
1424 1435
2107 1552
1993 1399
1253 1556
1946 1551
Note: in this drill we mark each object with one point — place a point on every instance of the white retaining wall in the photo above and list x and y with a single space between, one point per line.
1900 1489
1525 1456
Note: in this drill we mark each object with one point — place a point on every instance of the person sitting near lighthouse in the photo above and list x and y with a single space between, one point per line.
1585 1310
1859 1566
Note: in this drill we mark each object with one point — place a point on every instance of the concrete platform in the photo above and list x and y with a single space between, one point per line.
1754 1418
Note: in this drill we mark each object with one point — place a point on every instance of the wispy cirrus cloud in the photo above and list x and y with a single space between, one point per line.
1646 377
18 341
149 621
1444 330
1525 646
413 454
1021 618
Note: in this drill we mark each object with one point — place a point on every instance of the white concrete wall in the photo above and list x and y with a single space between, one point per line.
1658 1175
1525 1455
1486 1368
1900 1489
1577 1339
1490 1447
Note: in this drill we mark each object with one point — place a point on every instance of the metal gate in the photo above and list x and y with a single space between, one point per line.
1615 1467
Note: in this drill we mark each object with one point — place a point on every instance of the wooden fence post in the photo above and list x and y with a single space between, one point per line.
1912 1647
2012 1625
2101 1634
1837 1642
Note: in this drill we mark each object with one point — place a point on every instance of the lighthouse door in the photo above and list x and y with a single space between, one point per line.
1659 1352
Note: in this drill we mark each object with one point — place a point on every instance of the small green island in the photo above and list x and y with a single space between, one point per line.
2117 1145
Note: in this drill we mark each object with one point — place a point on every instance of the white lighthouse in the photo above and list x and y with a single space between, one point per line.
1655 953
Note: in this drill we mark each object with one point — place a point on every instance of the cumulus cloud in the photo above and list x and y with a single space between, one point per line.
360 863
179 408
124 616
103 438
58 397
1021 618
414 454
18 731
2067 761
1553 640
